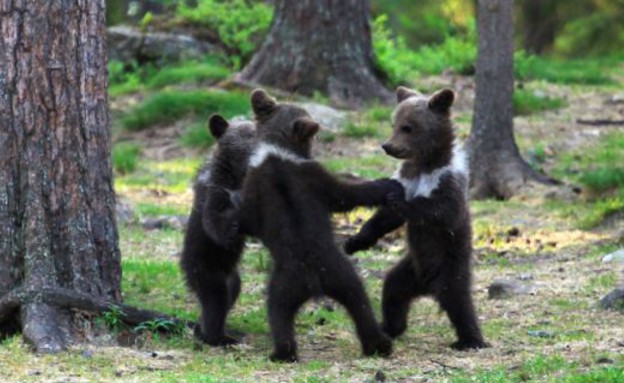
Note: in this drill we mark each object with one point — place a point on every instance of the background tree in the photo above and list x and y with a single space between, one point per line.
58 236
496 167
319 46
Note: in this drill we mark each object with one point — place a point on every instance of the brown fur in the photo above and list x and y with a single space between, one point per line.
287 203
439 235
209 265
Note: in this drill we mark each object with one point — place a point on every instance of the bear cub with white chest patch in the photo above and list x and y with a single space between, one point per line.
209 265
287 201
434 174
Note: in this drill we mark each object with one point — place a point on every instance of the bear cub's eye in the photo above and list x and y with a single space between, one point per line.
406 129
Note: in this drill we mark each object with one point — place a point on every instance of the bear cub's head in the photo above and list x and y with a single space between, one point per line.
421 126
284 125
235 142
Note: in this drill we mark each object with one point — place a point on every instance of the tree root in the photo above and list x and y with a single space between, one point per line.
40 314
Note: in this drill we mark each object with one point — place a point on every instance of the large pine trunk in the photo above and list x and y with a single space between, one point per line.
496 167
319 46
57 204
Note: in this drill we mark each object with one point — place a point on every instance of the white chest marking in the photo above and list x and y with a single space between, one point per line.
425 184
264 150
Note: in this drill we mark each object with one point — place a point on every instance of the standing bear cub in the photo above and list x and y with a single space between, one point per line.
287 202
209 265
439 238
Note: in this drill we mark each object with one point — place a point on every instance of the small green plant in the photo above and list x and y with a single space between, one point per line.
528 102
169 106
113 318
160 325
125 157
188 73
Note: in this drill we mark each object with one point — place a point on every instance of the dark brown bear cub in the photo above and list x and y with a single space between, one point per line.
210 266
435 176
288 199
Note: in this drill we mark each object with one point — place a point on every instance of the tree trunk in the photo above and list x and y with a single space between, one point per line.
319 46
496 167
57 205
539 25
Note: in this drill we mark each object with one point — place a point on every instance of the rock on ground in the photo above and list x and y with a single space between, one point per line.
614 300
128 44
506 288
329 118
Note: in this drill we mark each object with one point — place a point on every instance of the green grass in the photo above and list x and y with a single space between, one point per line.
188 73
197 135
174 176
527 102
360 131
133 79
572 71
125 156
376 166
147 209
169 106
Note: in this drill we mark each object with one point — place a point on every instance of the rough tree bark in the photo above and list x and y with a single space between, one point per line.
319 46
496 167
58 236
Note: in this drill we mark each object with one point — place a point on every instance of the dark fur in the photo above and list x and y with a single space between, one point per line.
439 235
288 206
210 266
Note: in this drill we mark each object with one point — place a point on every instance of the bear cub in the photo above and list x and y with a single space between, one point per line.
434 174
209 265
287 201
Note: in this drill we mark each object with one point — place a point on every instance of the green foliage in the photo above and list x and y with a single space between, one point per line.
113 318
160 325
360 130
147 209
601 168
169 106
586 71
241 25
528 102
198 136
125 157
188 73
401 64
130 79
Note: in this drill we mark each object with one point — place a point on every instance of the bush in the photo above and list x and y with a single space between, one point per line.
592 72
125 157
241 25
169 106
457 53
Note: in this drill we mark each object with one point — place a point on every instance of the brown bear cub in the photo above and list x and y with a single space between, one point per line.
434 174
287 201
210 266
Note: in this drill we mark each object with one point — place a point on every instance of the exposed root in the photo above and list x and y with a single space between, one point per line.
45 323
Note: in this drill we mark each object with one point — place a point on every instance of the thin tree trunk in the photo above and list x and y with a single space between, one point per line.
540 25
57 205
496 167
319 46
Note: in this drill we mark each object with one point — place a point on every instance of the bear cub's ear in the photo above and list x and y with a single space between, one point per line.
305 128
218 125
442 100
403 93
261 103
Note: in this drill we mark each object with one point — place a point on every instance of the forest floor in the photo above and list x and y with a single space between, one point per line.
550 240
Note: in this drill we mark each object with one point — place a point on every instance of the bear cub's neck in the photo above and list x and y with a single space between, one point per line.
428 161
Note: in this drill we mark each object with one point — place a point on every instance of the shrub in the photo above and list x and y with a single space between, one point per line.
125 156
527 102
